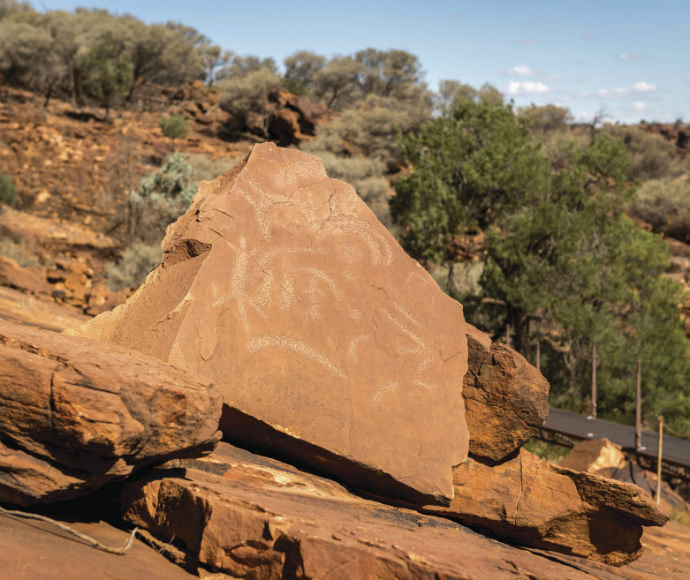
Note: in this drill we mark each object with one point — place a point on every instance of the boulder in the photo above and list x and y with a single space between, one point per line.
77 414
534 503
506 398
250 516
329 344
594 455
606 459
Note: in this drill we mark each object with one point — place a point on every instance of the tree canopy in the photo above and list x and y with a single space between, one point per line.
562 263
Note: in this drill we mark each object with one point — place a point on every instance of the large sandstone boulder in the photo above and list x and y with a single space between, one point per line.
329 344
77 414
534 503
506 398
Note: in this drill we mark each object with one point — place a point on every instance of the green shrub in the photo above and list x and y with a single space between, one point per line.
663 203
131 269
547 451
8 192
174 127
651 156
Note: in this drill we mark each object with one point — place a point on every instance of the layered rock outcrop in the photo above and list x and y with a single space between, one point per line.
329 344
250 516
75 415
537 504
506 398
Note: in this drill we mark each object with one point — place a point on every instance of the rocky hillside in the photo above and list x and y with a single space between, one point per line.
368 430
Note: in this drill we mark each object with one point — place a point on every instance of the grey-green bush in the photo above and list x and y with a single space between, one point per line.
131 269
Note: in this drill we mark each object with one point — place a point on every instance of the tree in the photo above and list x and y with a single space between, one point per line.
108 72
300 68
562 263
467 169
174 127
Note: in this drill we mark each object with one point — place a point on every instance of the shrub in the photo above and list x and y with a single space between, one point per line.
8 192
663 203
131 269
160 199
174 127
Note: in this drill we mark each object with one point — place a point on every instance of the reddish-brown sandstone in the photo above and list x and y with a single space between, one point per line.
76 414
254 517
334 346
534 503
506 398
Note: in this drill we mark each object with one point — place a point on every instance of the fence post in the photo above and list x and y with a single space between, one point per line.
593 410
638 407
507 334
538 365
659 460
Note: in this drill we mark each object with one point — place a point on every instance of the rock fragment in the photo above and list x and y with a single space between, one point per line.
76 414
534 503
506 398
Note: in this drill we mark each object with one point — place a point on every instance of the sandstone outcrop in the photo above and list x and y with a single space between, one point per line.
77 414
250 516
534 503
606 459
328 343
506 398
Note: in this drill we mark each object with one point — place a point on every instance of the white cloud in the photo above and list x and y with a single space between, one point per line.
620 92
527 88
607 93
521 70
631 56
643 87
640 106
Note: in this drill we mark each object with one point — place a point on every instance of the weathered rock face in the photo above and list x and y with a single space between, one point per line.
506 398
336 348
530 501
253 517
77 414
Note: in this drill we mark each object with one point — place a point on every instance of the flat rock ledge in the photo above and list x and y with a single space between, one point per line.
249 516
76 414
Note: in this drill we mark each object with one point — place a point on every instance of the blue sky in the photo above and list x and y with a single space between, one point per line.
629 58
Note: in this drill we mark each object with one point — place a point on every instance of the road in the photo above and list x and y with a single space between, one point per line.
675 450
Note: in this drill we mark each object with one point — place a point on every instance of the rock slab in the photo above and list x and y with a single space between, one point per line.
506 398
250 516
336 348
534 503
76 414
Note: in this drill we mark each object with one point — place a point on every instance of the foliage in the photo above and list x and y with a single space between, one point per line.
131 269
651 155
563 264
8 191
108 72
468 167
547 118
174 126
160 199
550 452
56 52
245 94
300 68
663 203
